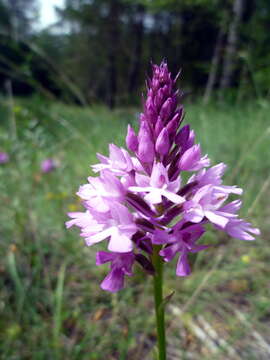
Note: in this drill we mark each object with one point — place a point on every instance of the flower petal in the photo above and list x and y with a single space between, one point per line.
114 281
183 268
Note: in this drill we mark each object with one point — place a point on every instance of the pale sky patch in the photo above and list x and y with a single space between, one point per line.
47 12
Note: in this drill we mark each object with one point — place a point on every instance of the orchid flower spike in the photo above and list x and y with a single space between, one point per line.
138 199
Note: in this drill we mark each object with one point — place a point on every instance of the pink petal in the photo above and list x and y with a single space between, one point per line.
142 180
114 281
183 268
121 214
232 207
103 256
193 212
160 237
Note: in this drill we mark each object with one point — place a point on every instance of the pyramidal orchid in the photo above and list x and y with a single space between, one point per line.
139 205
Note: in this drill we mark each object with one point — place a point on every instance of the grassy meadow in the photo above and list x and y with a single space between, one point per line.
51 306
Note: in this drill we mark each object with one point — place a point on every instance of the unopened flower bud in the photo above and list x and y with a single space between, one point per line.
146 150
182 136
131 139
163 142
167 110
159 126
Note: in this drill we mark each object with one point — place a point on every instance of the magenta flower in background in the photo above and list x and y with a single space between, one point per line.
48 165
138 204
4 157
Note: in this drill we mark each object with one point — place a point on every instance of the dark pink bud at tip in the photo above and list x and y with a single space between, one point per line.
131 139
166 90
173 124
163 142
167 109
155 84
159 126
159 98
183 135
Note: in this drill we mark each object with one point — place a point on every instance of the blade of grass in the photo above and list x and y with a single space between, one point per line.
19 288
58 301
258 197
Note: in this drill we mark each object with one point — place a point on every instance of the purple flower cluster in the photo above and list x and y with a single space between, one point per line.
139 201
48 165
4 157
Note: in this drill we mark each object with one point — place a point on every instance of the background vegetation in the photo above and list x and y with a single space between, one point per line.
100 50
56 85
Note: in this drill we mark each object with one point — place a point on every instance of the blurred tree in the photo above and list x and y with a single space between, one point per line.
5 18
232 44
101 49
16 18
19 17
137 26
212 79
255 55
212 76
113 48
184 32
20 61
107 55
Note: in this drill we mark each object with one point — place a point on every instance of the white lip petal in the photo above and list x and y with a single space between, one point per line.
154 196
216 219
86 192
119 242
100 167
194 215
177 199
140 189
229 189
93 239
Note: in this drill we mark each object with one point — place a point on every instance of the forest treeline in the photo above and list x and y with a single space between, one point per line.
100 50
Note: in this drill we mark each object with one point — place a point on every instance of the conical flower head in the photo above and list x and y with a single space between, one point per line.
138 199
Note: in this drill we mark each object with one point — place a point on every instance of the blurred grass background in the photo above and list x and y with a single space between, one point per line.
58 54
51 305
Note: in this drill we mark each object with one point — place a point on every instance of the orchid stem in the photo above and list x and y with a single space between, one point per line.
159 306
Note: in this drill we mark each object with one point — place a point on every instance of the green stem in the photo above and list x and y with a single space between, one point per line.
159 306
